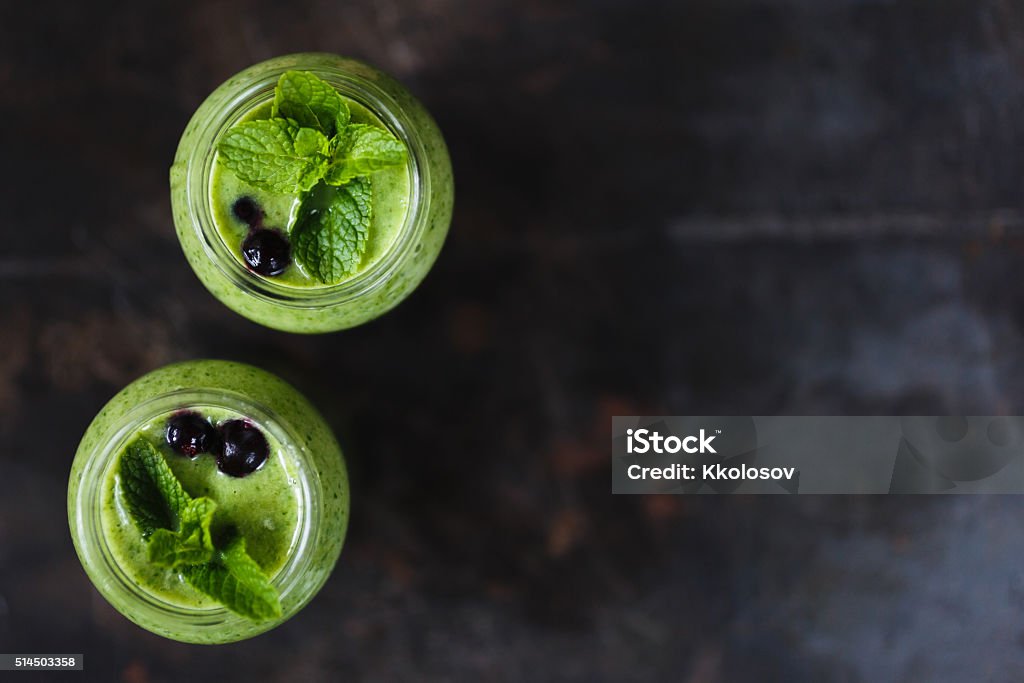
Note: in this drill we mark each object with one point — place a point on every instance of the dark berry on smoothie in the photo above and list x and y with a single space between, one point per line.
189 434
243 448
248 211
267 251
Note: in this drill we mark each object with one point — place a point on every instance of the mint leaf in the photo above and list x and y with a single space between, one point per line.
309 141
330 232
313 174
310 102
362 150
234 580
168 549
274 155
191 544
152 494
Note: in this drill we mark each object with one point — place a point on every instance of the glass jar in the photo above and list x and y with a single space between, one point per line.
315 460
382 284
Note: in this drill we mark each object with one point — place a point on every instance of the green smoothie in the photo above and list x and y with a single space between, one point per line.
307 223
290 505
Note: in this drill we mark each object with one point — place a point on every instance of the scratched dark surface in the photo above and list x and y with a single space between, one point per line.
707 207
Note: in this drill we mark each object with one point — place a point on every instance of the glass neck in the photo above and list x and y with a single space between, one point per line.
253 89
90 502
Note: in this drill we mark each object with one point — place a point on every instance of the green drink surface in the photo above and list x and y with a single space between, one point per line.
264 507
391 191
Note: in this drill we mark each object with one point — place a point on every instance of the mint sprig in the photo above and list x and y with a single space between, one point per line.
309 147
176 528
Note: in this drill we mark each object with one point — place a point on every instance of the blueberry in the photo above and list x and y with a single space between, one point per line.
248 211
189 434
243 448
267 251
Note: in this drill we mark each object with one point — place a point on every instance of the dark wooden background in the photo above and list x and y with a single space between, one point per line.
705 207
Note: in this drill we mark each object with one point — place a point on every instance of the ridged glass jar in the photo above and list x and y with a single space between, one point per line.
274 407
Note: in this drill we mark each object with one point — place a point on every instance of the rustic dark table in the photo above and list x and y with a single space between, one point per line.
705 207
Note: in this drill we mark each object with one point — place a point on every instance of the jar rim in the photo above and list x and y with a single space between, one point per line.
253 88
112 579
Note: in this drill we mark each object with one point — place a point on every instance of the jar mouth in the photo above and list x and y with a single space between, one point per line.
254 88
113 579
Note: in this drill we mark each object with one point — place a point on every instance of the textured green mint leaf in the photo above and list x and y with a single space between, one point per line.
329 237
362 150
234 580
152 494
168 549
309 141
310 102
313 174
268 154
191 543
